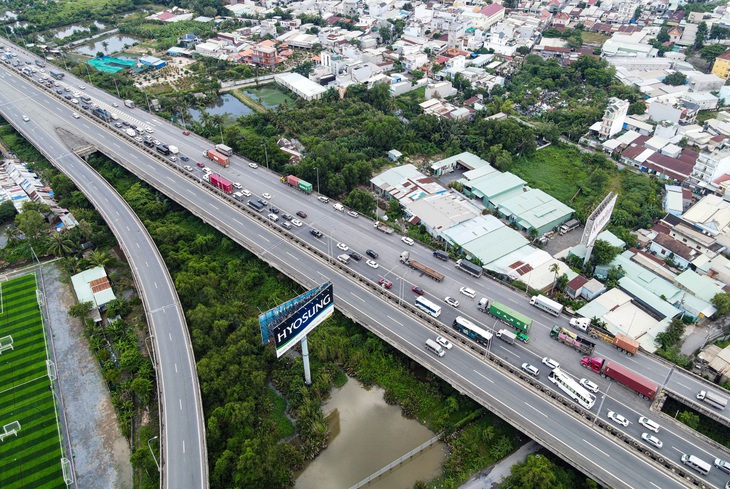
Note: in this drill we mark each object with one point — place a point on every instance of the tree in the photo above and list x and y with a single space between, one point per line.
700 36
536 472
361 201
637 108
709 53
7 211
637 13
143 389
80 309
675 79
689 418
523 50
31 223
663 35
555 268
721 302
603 252
60 244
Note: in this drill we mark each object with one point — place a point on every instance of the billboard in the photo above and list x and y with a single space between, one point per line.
598 220
288 323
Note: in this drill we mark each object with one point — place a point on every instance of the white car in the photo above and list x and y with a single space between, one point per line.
26 118
322 198
468 292
550 363
188 168
238 185
652 440
74 101
353 214
148 130
267 196
588 385
649 424
531 369
75 115
372 263
444 342
296 222
451 301
139 140
253 165
207 170
115 104
407 240
246 192
343 246
82 87
618 419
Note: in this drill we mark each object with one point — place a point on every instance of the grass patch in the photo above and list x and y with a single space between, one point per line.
268 96
556 170
286 427
593 38
32 459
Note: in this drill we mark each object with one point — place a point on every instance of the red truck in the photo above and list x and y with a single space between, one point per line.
219 158
221 183
625 344
643 386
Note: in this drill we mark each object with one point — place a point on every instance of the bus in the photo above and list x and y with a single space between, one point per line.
257 206
163 150
576 391
428 306
471 330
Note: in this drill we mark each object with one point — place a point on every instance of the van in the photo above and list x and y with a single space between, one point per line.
441 255
339 207
238 195
344 258
468 292
434 347
696 463
324 199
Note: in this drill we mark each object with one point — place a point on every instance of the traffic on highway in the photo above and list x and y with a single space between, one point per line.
475 310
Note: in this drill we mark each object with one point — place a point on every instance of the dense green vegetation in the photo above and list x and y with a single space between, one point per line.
545 471
697 421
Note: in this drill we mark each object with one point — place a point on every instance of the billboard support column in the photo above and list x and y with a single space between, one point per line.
305 360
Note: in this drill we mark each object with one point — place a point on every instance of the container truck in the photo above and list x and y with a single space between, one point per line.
380 226
405 258
508 316
571 339
506 336
547 305
709 397
297 182
129 104
441 255
56 74
470 268
625 344
214 155
224 150
221 183
612 370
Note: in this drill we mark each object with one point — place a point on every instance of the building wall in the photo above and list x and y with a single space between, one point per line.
721 68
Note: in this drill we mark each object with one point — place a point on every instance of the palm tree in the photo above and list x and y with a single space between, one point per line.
555 268
60 244
106 46
13 234
99 258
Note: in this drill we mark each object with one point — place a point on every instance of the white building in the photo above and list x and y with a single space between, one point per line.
613 118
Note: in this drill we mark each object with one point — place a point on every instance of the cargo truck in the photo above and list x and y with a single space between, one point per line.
506 336
571 339
569 226
298 183
214 155
102 114
441 255
612 370
508 316
56 74
224 150
709 397
173 149
625 344
221 183
469 267
405 258
380 226
547 305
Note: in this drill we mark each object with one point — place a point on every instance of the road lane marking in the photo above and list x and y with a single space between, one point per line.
170 335
264 239
533 407
180 403
176 368
297 259
657 487
214 206
682 385
183 446
137 244
595 447
483 376
508 351
396 322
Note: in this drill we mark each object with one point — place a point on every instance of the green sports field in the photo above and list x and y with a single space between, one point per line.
32 459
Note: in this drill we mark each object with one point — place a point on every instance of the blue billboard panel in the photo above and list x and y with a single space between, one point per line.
289 322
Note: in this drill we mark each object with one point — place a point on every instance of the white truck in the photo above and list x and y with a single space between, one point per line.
506 336
580 323
569 226
173 149
130 132
547 305
714 400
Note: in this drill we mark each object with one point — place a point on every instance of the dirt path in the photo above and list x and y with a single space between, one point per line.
101 454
